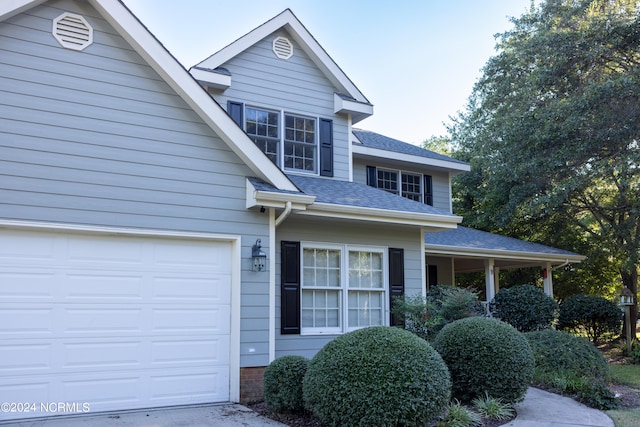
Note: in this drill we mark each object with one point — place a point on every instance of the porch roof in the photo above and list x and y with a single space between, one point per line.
471 247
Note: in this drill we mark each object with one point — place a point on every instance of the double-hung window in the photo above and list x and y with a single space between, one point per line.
343 288
411 185
289 140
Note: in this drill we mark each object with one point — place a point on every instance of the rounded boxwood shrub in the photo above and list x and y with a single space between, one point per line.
525 307
573 365
283 384
486 357
560 352
594 315
377 376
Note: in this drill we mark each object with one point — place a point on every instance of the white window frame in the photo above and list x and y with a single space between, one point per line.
399 173
282 116
343 319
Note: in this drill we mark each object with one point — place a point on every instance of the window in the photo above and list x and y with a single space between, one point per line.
343 288
293 147
410 185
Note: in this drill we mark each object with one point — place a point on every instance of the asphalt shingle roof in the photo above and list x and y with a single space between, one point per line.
381 142
347 193
469 238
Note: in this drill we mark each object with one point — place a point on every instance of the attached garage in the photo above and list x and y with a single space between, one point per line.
115 321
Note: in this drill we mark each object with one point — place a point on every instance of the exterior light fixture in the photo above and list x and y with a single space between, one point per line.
259 257
626 298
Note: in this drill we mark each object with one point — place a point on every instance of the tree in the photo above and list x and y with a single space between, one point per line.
552 131
440 144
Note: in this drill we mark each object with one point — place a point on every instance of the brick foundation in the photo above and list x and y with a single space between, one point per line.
252 384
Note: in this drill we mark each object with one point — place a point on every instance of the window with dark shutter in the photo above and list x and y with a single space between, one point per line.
326 147
290 288
396 281
236 110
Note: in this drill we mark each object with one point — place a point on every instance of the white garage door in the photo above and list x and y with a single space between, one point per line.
112 322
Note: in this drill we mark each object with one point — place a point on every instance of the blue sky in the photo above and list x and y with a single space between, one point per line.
415 60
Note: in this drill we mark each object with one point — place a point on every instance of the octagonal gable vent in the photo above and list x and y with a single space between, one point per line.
282 47
72 31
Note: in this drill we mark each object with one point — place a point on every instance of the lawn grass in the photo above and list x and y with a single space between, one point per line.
626 374
625 418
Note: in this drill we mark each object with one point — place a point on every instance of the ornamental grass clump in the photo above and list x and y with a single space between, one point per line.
283 384
377 376
486 356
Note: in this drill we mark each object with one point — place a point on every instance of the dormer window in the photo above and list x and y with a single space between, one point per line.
411 185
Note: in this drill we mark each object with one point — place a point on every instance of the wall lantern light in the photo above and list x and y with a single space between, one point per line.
259 257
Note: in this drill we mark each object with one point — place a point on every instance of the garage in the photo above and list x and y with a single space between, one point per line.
110 322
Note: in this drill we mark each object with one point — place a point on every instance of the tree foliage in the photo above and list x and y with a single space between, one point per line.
552 131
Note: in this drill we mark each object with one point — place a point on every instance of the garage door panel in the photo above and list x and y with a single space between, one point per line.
118 322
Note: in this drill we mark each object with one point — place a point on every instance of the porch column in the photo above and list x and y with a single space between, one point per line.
548 280
489 277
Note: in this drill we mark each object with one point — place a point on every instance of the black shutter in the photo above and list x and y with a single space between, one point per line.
428 190
290 288
396 281
326 147
236 111
372 176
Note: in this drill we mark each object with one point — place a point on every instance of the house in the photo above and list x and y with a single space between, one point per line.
165 234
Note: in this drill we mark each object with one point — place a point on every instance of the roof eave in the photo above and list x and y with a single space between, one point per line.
431 222
501 253
452 166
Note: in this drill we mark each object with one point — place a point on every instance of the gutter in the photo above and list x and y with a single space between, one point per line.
284 214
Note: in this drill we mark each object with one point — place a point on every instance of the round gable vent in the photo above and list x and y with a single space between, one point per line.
72 31
282 47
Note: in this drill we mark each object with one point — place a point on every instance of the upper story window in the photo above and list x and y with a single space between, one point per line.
293 146
411 185
294 142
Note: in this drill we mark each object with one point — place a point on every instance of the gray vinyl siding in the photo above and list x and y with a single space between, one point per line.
296 85
309 229
441 180
97 138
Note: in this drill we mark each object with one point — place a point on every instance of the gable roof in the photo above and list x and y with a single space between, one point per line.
348 97
376 145
469 242
163 63
349 200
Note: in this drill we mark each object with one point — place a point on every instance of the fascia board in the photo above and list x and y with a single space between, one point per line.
211 79
384 154
502 254
358 110
301 35
276 200
147 46
441 222
9 8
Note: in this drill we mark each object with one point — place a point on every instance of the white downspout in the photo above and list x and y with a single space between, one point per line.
284 214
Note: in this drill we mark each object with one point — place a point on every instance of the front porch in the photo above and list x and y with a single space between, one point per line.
465 250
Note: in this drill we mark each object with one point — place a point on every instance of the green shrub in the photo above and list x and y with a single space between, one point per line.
283 384
425 316
486 356
558 351
634 354
421 315
377 376
571 365
592 315
525 307
455 302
